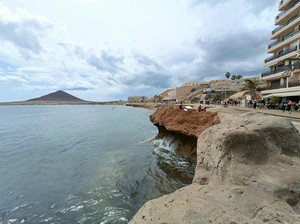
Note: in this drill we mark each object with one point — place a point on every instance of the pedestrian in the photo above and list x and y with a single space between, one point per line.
180 106
199 108
254 104
289 106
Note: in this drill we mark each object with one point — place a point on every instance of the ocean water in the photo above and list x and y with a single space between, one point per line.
83 164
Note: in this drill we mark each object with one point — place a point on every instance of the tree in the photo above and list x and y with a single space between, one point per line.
239 77
233 77
274 99
227 75
218 97
195 100
251 85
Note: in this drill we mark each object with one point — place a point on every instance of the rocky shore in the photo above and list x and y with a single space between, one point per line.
247 169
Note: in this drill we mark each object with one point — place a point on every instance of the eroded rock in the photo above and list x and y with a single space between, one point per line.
247 172
182 128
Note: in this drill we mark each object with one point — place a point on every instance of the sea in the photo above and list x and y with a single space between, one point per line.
83 164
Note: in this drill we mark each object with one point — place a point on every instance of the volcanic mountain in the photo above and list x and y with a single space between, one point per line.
59 96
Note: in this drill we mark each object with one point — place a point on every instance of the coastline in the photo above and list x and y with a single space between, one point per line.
241 154
36 103
293 117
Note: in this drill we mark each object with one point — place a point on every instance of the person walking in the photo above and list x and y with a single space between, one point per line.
289 106
199 108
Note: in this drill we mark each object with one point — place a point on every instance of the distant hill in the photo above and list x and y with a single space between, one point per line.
59 96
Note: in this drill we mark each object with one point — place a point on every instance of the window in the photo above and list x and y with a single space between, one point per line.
279 67
287 36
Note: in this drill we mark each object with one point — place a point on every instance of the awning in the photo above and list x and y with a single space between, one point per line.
238 95
296 93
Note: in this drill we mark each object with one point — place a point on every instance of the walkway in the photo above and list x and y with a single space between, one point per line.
294 117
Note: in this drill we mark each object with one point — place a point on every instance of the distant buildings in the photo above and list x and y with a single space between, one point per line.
280 80
137 99
195 91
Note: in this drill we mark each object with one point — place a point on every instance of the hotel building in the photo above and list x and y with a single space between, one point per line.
280 80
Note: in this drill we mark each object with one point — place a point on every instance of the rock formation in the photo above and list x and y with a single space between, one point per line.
247 171
182 128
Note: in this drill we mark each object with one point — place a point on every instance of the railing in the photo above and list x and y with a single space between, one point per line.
273 87
294 83
264 74
282 54
285 38
285 24
282 1
283 12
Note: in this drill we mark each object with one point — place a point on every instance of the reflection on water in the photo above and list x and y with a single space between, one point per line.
83 164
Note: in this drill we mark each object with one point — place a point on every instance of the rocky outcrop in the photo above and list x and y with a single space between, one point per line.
247 172
182 128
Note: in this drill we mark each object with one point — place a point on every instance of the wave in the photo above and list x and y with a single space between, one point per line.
176 167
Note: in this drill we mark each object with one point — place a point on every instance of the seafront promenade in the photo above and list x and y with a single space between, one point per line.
294 117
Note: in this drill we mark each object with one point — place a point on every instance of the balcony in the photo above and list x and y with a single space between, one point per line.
272 87
264 74
275 43
294 83
283 4
281 15
282 54
285 24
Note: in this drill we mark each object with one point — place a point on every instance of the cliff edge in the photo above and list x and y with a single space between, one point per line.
182 128
247 172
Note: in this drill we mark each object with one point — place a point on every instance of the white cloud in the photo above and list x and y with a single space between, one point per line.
121 48
11 78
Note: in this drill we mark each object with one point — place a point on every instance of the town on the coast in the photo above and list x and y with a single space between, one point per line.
247 163
273 88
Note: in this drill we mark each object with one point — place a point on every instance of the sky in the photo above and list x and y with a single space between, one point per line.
103 50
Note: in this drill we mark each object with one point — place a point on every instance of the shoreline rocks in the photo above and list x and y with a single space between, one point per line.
182 128
247 172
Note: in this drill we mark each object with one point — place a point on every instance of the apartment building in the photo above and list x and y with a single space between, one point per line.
280 80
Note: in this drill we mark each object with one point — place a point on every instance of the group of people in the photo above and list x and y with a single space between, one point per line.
200 109
291 106
255 104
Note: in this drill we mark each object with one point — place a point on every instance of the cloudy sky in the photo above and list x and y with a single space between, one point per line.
105 50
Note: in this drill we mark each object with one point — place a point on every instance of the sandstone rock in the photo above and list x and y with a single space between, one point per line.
247 172
189 123
182 128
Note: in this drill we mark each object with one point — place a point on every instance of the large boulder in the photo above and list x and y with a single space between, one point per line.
247 172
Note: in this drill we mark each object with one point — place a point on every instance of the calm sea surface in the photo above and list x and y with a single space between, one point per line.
82 164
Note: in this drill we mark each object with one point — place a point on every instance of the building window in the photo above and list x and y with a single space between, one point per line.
279 67
287 36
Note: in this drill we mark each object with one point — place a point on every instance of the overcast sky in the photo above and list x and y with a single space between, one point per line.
105 50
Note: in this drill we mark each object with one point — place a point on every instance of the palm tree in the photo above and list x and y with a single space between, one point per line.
233 77
227 75
239 77
252 86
